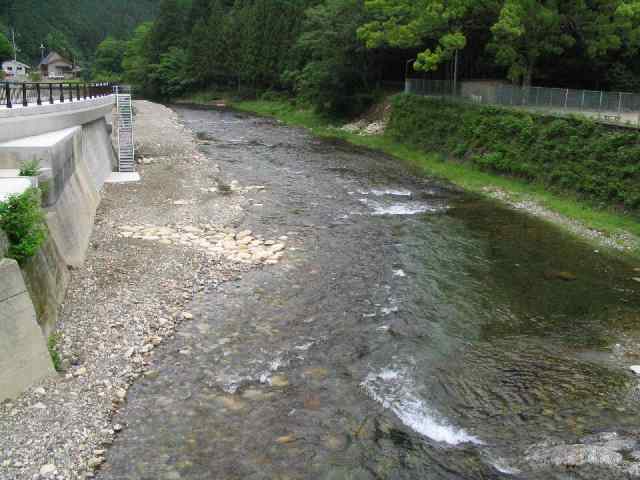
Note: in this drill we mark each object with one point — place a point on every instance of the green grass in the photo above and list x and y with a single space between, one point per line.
52 345
461 174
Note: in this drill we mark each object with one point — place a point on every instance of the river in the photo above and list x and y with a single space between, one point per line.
413 331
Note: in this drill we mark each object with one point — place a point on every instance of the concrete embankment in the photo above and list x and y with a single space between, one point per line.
75 160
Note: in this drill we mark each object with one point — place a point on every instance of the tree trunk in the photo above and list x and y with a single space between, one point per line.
528 76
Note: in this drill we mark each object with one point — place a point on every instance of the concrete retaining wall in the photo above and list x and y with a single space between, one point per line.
24 358
78 160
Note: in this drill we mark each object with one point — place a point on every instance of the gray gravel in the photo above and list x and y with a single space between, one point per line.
127 299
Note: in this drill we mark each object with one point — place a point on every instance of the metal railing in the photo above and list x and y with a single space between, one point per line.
43 93
618 108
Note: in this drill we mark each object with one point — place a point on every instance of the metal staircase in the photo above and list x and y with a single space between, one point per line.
126 148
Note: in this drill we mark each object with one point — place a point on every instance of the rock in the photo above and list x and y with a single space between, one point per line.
635 369
187 316
573 456
40 391
277 247
121 393
560 275
636 279
243 234
279 381
95 462
316 373
117 427
80 371
286 439
47 469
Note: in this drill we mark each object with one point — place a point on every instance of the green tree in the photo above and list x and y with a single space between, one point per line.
169 28
334 76
108 60
6 51
414 23
136 61
170 74
208 45
56 41
525 32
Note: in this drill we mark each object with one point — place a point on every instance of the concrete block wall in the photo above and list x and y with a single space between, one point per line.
24 358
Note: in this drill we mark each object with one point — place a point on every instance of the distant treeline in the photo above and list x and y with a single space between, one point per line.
74 28
335 53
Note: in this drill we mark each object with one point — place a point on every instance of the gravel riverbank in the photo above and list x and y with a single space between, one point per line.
155 244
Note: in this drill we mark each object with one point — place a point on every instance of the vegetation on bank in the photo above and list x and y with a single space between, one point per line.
335 54
466 174
597 163
23 221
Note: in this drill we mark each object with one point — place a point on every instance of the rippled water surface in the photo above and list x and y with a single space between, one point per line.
414 331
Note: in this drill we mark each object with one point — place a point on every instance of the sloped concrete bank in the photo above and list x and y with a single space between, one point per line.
75 163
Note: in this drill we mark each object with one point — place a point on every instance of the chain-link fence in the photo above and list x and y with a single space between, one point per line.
608 107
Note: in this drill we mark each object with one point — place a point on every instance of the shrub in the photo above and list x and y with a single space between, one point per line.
22 219
30 168
594 161
52 346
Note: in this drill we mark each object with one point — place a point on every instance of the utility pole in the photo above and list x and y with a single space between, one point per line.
15 49
42 49
455 73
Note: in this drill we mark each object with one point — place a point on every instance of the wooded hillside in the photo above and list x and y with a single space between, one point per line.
74 25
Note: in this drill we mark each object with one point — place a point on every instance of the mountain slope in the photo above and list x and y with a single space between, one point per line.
84 23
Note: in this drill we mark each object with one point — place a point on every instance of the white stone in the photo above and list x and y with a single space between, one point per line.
635 369
47 469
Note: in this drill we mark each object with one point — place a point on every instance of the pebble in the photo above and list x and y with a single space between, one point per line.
187 316
47 469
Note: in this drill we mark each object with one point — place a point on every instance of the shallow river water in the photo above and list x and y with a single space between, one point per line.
413 331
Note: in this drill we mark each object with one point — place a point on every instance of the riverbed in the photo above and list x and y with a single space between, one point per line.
411 330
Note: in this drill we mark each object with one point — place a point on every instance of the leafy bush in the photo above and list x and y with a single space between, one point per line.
52 346
22 219
30 168
597 162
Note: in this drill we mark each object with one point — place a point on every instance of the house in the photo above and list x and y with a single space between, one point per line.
14 70
55 66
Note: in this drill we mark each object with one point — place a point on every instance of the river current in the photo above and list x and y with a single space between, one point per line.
412 331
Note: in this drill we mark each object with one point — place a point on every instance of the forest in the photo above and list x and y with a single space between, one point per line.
71 27
337 53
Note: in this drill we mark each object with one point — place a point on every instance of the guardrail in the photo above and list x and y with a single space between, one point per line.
26 94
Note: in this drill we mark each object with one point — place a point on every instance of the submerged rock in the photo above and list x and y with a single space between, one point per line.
573 456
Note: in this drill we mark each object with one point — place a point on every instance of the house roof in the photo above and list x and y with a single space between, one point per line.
55 57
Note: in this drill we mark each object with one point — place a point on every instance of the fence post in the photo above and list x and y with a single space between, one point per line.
38 92
566 98
537 95
84 89
78 91
7 89
61 93
619 102
24 95
582 105
51 93
601 94
70 92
